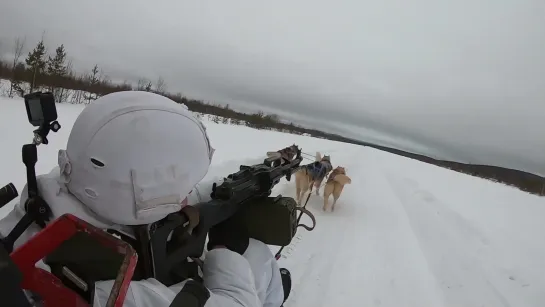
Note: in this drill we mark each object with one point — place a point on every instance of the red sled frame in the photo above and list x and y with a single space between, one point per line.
50 289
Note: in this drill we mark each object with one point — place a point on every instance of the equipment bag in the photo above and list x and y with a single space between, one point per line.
274 220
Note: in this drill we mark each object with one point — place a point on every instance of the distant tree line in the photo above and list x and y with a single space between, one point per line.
39 69
53 71
524 181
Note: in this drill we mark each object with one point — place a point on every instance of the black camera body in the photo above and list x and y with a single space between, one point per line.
42 113
40 108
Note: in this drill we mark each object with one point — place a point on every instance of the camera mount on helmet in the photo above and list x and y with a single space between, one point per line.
42 113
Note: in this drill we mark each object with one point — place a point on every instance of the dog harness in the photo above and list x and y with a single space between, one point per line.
319 169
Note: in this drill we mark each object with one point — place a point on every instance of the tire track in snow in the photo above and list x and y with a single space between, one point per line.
451 245
315 256
392 243
362 253
308 258
403 277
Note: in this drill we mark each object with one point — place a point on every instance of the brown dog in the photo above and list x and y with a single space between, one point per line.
311 175
335 185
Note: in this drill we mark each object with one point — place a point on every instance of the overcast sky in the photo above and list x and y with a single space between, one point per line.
458 79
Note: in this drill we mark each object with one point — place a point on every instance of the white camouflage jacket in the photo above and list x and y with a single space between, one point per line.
251 280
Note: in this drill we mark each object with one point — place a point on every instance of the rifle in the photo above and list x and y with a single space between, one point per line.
244 196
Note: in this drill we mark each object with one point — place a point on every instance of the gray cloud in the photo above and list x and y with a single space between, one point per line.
460 79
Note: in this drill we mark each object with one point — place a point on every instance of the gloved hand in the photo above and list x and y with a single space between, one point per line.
231 233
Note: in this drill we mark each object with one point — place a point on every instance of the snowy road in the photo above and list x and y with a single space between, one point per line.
391 242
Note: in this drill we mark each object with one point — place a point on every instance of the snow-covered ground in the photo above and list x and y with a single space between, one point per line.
405 233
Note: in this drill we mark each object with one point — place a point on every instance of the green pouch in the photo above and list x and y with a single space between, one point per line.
274 220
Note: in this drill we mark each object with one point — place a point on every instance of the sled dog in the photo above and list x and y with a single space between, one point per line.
335 185
311 174
287 154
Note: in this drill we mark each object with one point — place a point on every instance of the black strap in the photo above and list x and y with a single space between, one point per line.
193 294
309 214
11 277
286 282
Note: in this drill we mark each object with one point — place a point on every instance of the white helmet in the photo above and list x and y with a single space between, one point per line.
132 157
